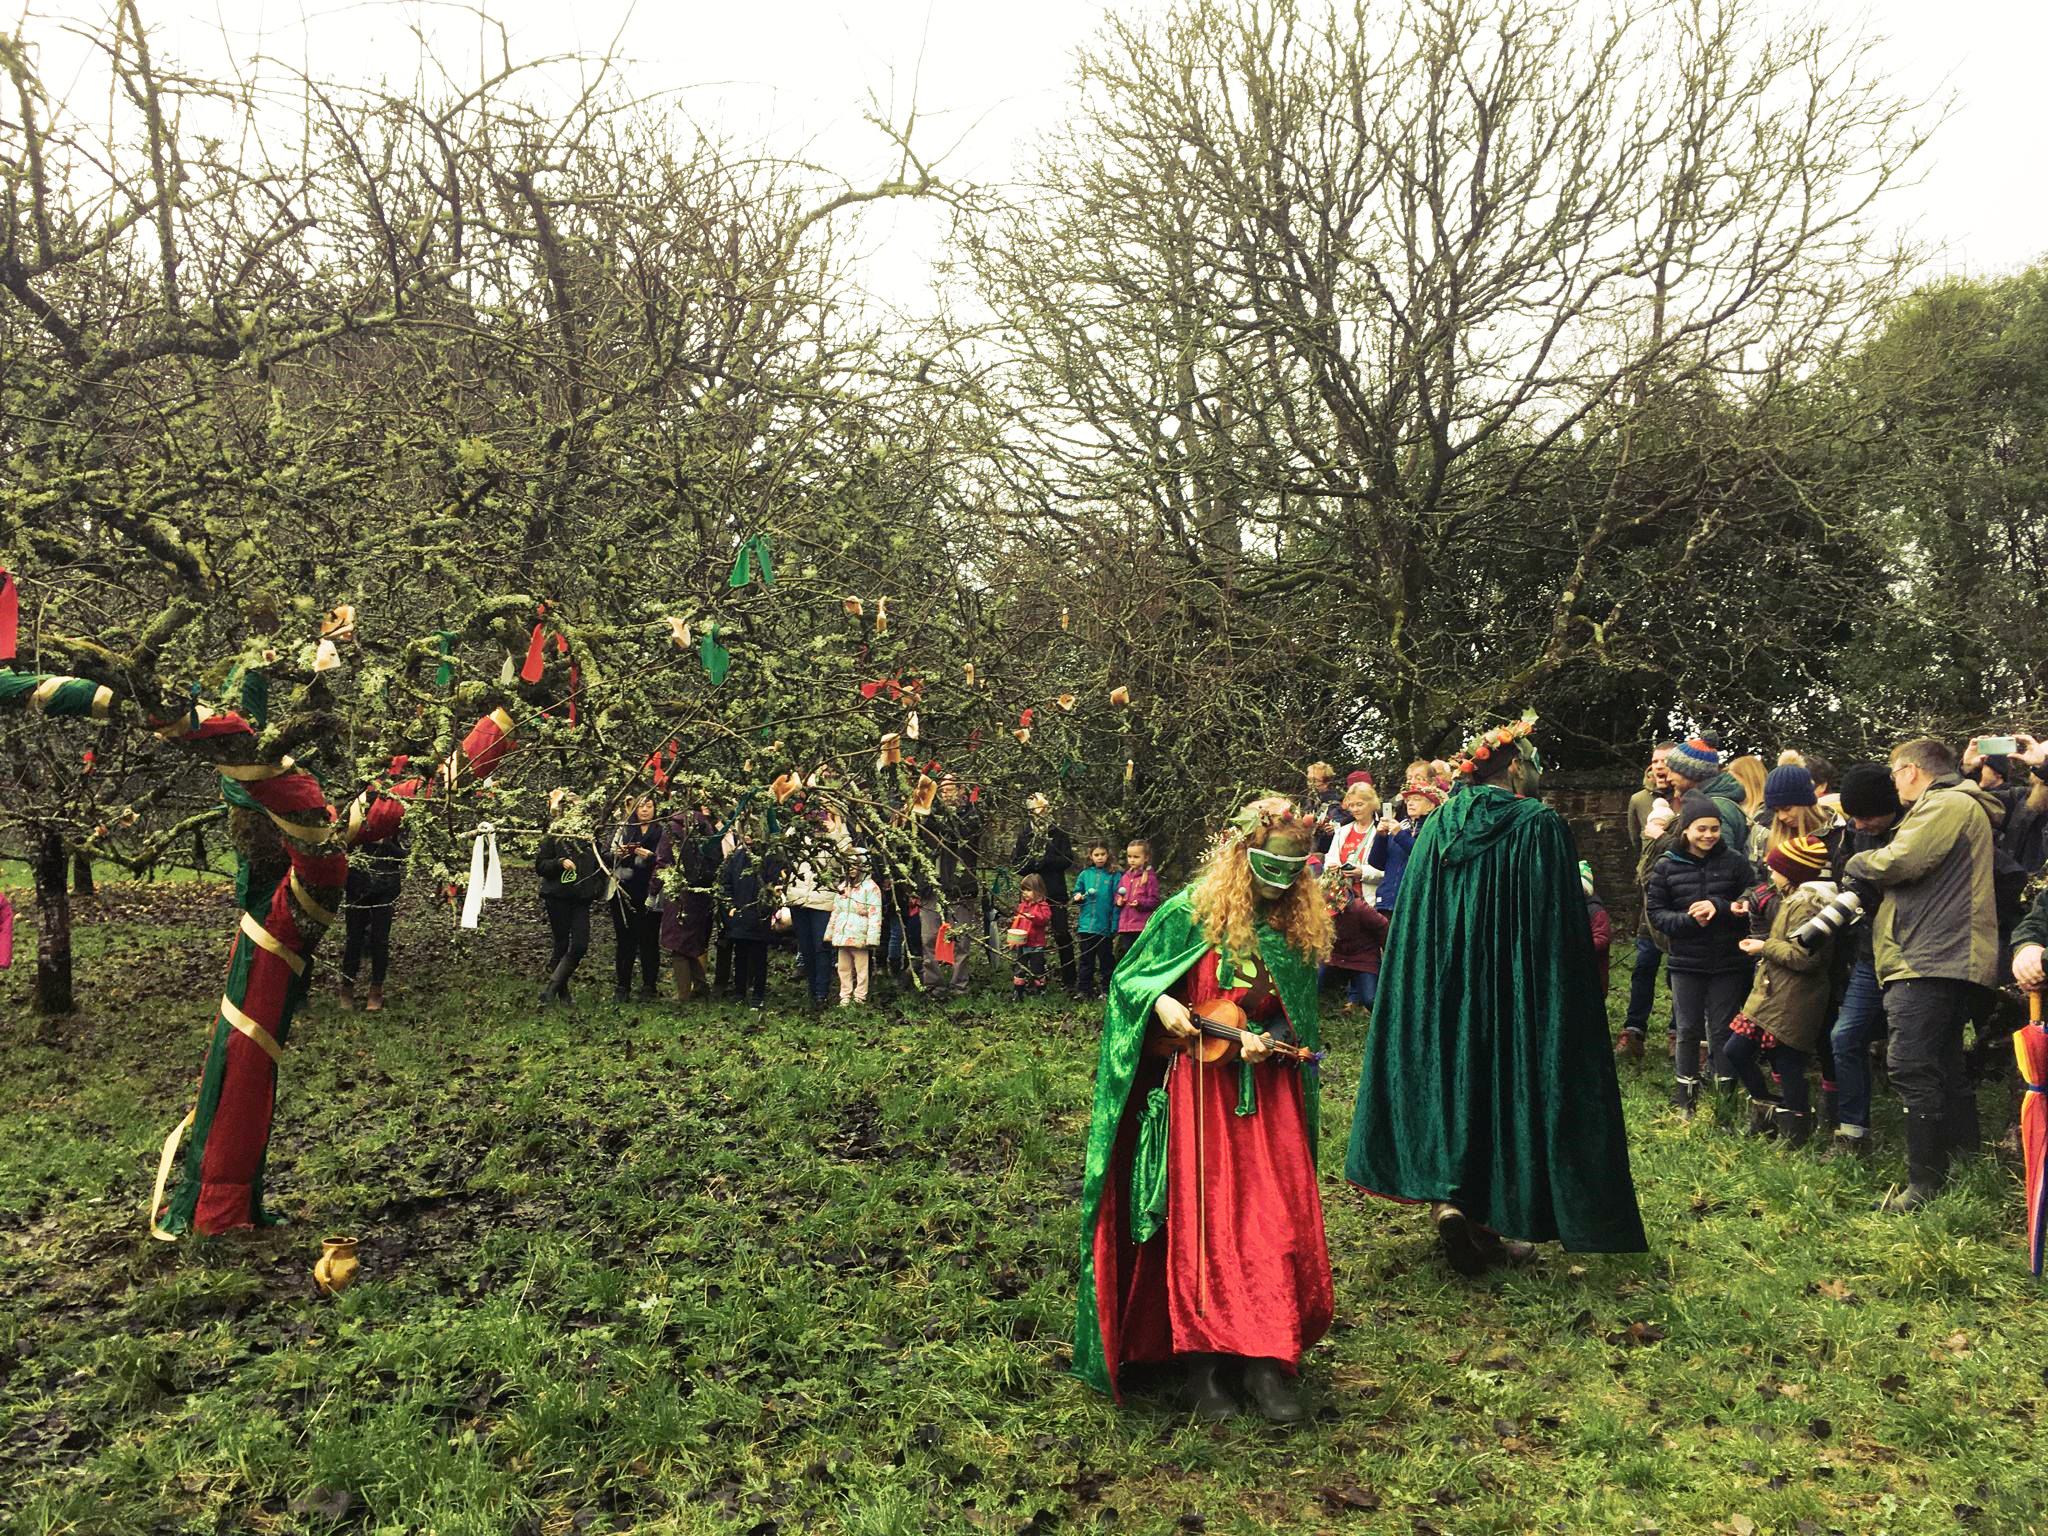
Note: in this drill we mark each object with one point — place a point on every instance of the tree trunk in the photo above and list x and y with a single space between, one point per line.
53 926
81 875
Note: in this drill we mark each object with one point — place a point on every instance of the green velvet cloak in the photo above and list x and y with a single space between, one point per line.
1488 1077
1171 945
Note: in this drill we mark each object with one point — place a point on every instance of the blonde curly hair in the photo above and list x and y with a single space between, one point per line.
1228 909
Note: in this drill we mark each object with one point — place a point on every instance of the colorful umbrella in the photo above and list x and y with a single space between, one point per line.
2031 1046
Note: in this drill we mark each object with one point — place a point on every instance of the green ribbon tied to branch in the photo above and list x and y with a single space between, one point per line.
444 674
753 550
716 658
251 689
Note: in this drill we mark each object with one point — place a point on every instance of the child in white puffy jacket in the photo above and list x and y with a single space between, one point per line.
855 928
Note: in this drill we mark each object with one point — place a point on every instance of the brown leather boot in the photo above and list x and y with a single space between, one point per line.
376 1000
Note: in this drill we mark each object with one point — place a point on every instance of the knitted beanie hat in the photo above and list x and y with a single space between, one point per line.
1695 806
1358 776
1999 764
1693 760
1799 859
1788 786
1867 790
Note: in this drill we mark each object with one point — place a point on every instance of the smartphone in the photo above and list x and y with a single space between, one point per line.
1997 746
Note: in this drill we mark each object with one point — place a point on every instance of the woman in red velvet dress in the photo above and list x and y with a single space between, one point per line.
1202 1226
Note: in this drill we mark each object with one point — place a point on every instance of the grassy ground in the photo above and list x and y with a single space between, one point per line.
630 1270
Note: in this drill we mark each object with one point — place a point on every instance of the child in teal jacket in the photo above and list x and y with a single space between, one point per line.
1095 908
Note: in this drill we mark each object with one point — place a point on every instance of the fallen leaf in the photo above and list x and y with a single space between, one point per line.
1957 1343
1835 1290
329 1503
1345 1499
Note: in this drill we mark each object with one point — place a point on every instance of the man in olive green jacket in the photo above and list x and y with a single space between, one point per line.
1936 944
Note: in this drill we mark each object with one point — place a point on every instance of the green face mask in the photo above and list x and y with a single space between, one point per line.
1274 872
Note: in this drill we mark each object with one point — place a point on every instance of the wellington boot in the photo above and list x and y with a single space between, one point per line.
1760 1122
1685 1096
1272 1393
1926 1165
1207 1395
1794 1128
1828 1117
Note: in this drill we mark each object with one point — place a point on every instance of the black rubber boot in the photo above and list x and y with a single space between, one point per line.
1794 1127
1828 1118
1926 1165
1272 1393
1760 1122
1208 1396
1685 1096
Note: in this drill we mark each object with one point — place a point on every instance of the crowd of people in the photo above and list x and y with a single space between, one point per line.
1804 917
1801 915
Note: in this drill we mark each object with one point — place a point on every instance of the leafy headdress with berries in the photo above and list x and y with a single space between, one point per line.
1516 736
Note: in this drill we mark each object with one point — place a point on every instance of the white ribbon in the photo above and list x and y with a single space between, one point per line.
486 880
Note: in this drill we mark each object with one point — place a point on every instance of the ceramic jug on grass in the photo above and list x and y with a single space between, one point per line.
336 1266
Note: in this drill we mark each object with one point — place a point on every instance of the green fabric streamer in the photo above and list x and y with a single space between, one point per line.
1247 1090
1148 1170
1488 1080
444 674
716 658
256 698
753 553
71 698
1170 946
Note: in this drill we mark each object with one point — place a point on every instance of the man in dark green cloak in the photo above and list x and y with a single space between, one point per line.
1488 1089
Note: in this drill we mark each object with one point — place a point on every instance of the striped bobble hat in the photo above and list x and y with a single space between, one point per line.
1799 859
1695 760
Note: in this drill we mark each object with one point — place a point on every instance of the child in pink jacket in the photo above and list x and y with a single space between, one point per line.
1137 893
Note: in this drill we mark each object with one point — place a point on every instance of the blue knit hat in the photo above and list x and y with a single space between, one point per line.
1788 786
1693 760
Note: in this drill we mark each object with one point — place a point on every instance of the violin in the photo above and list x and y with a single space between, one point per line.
1224 1030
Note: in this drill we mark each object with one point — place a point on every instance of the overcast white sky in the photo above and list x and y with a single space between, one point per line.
796 74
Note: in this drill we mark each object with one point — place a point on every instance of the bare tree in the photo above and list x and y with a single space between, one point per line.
1412 298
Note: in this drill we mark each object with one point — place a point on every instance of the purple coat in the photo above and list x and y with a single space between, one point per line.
692 841
1140 893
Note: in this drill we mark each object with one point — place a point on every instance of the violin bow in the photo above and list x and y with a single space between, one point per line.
1201 1183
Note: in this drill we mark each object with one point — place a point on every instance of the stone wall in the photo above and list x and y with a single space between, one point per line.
1598 813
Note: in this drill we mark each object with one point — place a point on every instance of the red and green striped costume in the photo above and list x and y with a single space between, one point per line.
220 1187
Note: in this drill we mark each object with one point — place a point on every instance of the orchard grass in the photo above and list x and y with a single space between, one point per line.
639 1268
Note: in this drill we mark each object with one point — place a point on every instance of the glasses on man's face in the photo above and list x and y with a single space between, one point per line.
1899 768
